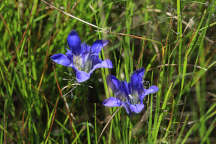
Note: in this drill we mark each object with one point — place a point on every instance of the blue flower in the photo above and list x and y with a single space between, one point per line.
129 95
81 57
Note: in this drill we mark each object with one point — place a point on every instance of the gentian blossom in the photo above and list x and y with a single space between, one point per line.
129 95
84 59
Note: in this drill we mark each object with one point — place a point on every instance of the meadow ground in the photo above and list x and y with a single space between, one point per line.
175 41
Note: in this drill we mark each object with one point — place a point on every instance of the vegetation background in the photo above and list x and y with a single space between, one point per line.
175 41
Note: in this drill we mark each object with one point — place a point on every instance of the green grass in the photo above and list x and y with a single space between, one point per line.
173 40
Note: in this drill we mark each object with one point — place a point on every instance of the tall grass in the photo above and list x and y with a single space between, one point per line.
174 41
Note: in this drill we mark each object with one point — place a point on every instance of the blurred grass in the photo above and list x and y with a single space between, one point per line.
173 40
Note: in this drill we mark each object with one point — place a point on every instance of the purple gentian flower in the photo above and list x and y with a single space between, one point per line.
129 95
84 59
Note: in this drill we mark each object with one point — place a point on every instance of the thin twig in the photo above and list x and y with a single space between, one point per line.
189 24
108 123
67 107
104 30
166 65
131 35
53 118
140 123
70 15
23 125
45 62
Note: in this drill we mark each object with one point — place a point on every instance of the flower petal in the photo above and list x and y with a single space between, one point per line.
69 54
85 48
113 83
137 77
98 45
127 108
95 59
119 89
81 76
136 108
61 59
103 64
112 102
74 42
136 84
150 90
125 89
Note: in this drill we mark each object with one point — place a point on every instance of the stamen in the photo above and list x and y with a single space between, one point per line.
130 96
134 98
77 62
82 65
87 66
